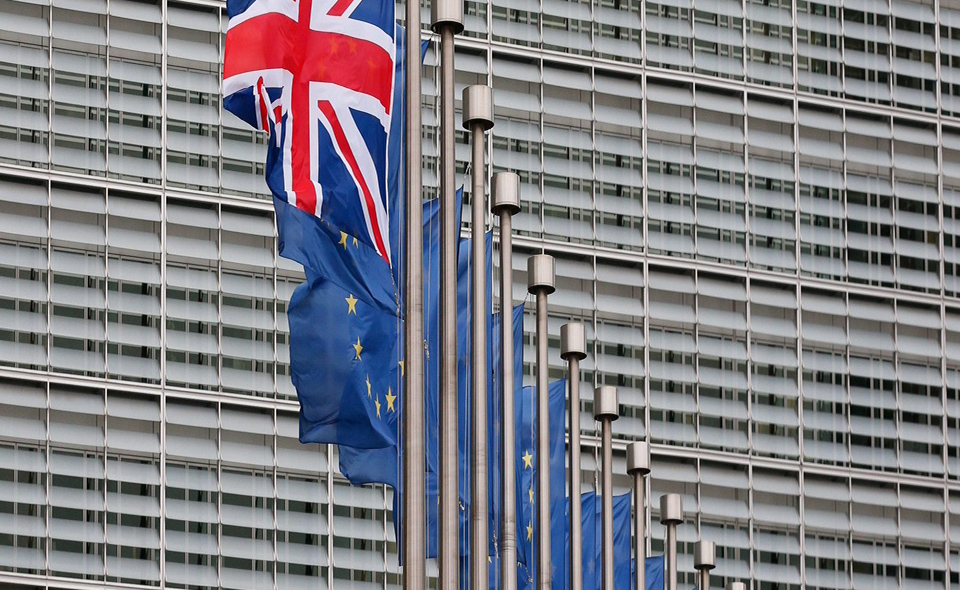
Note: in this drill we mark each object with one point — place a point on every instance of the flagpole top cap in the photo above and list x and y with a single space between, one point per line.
671 509
447 13
638 458
704 555
736 586
573 341
541 270
478 106
605 403
506 193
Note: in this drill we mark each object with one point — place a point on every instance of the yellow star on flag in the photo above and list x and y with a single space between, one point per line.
358 347
530 493
529 531
527 457
377 401
390 399
401 368
369 391
352 304
355 241
343 239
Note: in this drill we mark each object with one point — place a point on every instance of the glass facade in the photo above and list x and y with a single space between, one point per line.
754 206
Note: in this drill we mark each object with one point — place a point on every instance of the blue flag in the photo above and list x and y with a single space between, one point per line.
654 572
431 335
344 398
527 464
591 506
493 412
465 373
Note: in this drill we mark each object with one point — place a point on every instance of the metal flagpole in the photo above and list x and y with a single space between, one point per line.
704 560
605 410
414 418
736 586
573 348
478 117
671 514
506 203
540 274
448 21
638 465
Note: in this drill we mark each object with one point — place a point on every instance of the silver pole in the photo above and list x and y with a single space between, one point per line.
540 274
606 410
671 514
414 417
478 117
704 560
506 203
638 465
736 586
448 21
573 348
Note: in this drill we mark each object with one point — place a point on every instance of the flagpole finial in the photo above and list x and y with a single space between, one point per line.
447 13
638 458
704 555
541 271
478 106
671 509
573 341
605 403
506 193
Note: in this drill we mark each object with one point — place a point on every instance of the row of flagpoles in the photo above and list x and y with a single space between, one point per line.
447 16
351 292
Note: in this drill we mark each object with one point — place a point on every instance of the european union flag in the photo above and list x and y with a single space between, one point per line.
493 413
345 397
382 465
431 335
592 529
654 572
465 374
527 464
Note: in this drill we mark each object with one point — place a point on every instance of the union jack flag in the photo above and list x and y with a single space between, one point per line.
319 76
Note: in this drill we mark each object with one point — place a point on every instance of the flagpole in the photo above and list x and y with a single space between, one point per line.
477 118
540 274
638 465
573 348
704 560
414 409
448 21
506 203
671 514
736 586
605 410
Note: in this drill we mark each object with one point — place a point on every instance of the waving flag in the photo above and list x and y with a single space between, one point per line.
319 75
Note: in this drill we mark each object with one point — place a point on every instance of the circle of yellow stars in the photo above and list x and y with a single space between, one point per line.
390 397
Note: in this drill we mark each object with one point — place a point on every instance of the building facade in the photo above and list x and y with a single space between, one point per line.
754 206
